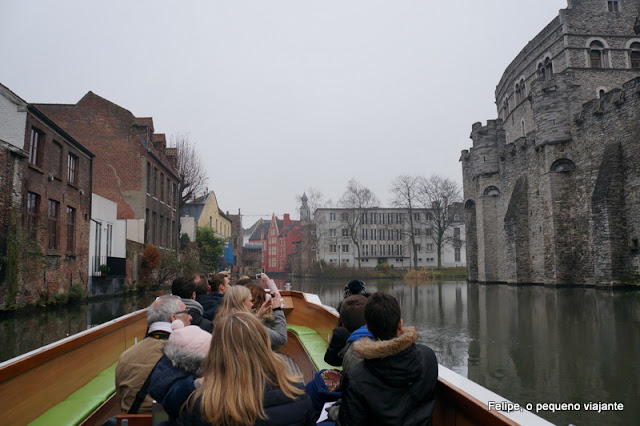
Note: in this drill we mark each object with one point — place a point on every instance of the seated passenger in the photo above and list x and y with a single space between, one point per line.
183 356
352 315
238 299
136 363
244 382
259 297
341 334
395 382
210 294
185 288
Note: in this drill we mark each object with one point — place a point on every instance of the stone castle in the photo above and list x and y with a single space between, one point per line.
552 186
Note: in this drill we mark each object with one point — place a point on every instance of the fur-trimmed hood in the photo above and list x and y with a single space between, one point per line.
368 349
190 362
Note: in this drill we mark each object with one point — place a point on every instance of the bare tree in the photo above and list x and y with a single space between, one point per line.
193 175
356 200
437 194
405 190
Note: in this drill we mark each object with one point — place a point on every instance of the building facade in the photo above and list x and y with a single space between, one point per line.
383 237
45 206
550 184
279 239
131 168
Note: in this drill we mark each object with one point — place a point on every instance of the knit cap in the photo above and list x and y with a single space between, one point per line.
190 339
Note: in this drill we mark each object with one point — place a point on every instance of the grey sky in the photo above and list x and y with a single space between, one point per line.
280 96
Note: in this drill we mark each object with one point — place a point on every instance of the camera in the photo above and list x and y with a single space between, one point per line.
258 276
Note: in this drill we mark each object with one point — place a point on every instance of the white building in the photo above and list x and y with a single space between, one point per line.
107 246
383 236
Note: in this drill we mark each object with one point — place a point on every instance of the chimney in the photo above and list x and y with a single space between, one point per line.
286 220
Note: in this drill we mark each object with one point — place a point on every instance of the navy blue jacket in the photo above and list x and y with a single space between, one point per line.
210 303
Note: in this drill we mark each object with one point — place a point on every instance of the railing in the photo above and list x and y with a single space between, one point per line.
116 265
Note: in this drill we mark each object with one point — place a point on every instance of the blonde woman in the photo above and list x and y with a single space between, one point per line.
244 382
238 298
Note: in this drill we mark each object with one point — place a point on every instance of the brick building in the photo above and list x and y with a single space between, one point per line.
279 239
45 204
130 168
550 186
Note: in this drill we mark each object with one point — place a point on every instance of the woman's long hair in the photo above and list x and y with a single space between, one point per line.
233 301
237 370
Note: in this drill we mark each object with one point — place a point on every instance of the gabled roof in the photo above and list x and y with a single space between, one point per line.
144 121
259 230
76 119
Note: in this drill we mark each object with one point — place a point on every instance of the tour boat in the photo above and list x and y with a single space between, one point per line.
71 381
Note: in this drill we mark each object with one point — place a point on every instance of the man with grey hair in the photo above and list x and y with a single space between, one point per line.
137 362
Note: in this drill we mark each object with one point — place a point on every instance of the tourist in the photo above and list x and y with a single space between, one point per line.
395 382
244 382
135 364
183 356
259 297
243 280
210 297
340 334
185 288
238 298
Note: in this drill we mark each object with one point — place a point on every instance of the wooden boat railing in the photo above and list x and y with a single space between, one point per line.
34 382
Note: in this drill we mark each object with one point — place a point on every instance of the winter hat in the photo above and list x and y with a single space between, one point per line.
354 287
190 339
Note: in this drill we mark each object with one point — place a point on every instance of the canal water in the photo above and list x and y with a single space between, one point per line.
528 344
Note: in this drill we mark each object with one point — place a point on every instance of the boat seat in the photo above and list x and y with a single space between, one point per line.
80 404
315 345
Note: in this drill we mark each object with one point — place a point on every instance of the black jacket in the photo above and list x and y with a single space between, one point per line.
394 385
210 303
338 341
280 410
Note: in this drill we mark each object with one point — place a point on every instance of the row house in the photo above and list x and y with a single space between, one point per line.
131 169
280 240
382 236
45 204
205 212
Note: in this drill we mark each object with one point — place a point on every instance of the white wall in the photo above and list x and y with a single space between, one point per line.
104 213
13 120
188 226
135 230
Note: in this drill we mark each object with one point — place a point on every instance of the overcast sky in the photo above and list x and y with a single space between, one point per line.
281 96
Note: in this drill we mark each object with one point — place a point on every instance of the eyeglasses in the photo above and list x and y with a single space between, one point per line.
181 312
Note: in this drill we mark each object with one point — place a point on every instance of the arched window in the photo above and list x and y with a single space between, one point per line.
541 70
596 54
470 205
563 165
518 98
491 191
505 105
523 90
548 67
634 55
601 93
524 133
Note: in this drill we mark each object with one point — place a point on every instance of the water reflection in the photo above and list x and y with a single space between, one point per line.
528 344
21 332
